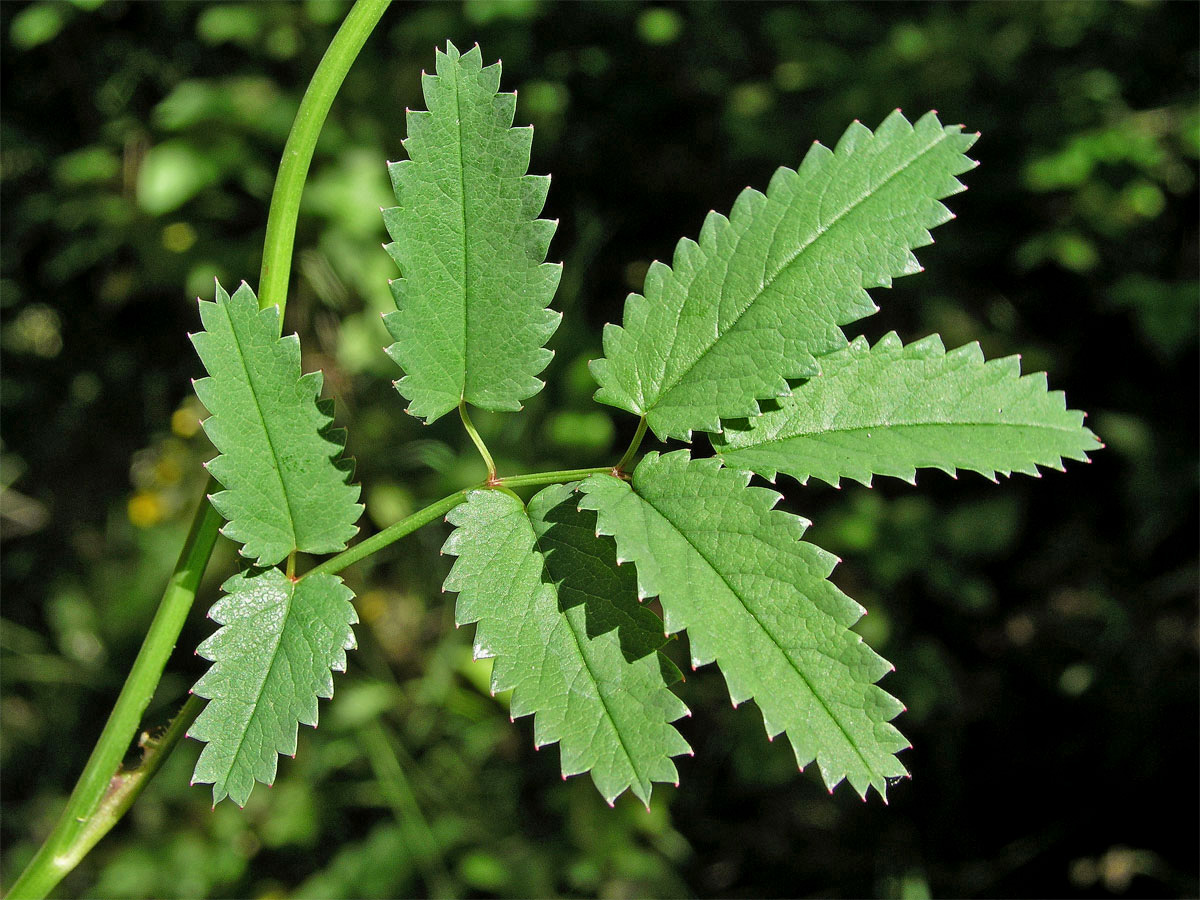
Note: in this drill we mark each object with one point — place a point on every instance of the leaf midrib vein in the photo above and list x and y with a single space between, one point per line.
587 666
277 468
290 596
884 426
764 285
808 684
462 206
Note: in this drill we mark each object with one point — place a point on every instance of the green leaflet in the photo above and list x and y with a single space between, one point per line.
891 409
285 488
271 661
764 292
569 636
472 321
754 598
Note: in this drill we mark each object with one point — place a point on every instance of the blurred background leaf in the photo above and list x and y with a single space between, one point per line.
1044 632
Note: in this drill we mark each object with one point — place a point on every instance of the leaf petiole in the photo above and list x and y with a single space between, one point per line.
479 444
633 446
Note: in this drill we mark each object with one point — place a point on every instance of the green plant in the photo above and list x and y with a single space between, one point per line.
740 338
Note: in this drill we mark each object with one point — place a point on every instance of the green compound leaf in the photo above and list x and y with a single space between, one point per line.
891 409
731 570
471 321
569 636
764 292
285 486
271 661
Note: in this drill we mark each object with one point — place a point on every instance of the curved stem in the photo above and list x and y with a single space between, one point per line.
98 802
633 446
298 151
78 828
479 444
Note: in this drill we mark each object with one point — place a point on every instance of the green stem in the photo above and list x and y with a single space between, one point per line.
91 811
559 477
389 535
409 524
298 151
88 816
479 444
127 784
633 446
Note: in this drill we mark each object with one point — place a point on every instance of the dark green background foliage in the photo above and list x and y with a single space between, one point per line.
1044 631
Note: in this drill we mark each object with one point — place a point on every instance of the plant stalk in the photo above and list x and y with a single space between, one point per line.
87 816
298 151
127 784
561 476
98 802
